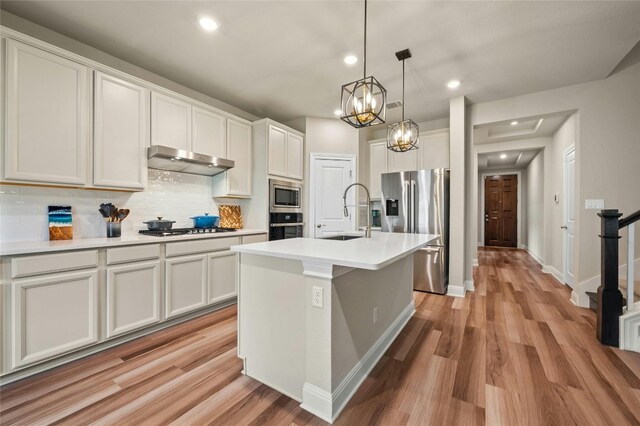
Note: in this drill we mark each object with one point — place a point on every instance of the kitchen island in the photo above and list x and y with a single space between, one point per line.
316 315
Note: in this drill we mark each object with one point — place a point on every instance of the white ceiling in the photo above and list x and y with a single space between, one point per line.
514 160
526 128
283 59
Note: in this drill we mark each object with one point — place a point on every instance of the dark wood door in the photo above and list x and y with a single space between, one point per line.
501 211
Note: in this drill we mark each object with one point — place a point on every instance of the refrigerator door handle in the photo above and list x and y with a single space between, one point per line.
407 197
414 206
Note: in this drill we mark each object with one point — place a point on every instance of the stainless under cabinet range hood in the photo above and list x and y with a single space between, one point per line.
176 160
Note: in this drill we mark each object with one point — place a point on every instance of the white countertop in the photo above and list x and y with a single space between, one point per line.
382 249
33 247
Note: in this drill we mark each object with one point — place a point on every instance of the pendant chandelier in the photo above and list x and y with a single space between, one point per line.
363 101
403 135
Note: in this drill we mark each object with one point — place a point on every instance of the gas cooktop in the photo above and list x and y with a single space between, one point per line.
184 231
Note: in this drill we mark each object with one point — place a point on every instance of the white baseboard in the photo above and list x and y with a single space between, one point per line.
548 269
480 244
592 284
522 246
574 298
468 285
475 262
630 329
456 290
328 406
535 255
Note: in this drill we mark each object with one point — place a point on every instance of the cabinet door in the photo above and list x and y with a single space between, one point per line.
377 166
133 297
437 155
239 150
295 156
209 133
170 122
277 151
53 314
185 284
47 117
402 161
121 117
223 268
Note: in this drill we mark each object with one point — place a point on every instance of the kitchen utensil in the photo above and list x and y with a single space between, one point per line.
159 225
205 221
114 229
122 214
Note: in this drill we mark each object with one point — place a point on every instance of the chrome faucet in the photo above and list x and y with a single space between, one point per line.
367 232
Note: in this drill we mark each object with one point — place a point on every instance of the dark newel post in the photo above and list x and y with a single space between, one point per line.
609 296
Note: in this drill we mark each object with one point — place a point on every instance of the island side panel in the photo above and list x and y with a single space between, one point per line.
355 296
272 322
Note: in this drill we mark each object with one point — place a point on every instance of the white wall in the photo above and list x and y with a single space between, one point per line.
607 133
564 137
326 136
174 196
535 207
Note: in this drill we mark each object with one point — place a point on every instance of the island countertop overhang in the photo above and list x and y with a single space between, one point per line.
374 253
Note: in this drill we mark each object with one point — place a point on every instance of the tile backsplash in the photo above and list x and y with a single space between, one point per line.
174 196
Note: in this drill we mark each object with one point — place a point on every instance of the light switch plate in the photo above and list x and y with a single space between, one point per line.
597 204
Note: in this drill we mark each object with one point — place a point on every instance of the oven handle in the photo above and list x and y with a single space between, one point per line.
280 225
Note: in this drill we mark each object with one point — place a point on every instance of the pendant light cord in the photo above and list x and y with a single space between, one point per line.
403 90
365 38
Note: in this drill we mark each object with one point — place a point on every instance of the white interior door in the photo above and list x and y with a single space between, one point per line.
569 213
332 176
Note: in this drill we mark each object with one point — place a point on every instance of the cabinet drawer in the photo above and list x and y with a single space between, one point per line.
250 239
132 253
48 263
200 246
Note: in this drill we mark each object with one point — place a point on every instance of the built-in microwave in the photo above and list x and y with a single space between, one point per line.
284 197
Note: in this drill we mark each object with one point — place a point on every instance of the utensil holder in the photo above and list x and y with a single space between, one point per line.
114 229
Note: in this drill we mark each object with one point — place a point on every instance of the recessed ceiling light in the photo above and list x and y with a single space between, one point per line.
513 123
350 59
338 112
503 156
208 23
453 84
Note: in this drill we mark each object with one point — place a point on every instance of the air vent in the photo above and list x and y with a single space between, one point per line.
395 104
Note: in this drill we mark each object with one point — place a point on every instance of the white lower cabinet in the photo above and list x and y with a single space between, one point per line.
223 267
53 314
132 297
185 284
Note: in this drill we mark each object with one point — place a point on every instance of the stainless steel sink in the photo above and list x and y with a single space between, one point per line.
342 237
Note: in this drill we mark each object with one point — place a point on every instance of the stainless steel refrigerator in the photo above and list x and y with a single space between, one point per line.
418 202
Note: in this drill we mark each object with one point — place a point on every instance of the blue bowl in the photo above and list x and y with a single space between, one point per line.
205 221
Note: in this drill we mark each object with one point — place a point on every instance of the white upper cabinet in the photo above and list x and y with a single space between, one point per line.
284 149
377 166
402 161
434 150
236 182
121 133
295 156
170 122
47 117
277 151
208 133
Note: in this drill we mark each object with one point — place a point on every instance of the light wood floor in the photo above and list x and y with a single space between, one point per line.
515 352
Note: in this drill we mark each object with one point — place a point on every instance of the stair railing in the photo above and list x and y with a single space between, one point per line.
610 300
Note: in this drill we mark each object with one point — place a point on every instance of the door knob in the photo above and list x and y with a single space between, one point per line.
318 226
563 227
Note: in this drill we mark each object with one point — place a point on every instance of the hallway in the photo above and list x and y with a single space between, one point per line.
515 352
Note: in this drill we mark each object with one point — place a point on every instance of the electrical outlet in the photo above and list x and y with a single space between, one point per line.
316 297
375 315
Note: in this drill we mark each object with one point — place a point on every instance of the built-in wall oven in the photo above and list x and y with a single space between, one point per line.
285 225
285 212
284 196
